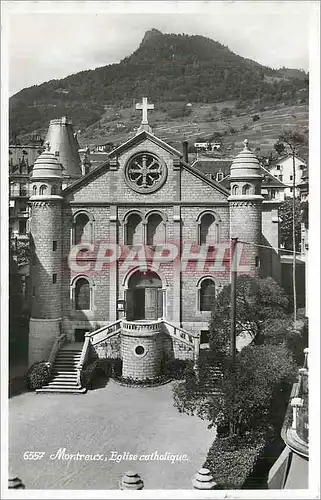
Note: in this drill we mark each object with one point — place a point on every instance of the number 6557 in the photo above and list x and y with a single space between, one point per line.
33 455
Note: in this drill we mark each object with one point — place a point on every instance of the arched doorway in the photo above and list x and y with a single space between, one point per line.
144 297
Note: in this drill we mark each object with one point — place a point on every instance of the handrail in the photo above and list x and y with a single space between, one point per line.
83 357
111 330
92 334
55 349
184 336
108 335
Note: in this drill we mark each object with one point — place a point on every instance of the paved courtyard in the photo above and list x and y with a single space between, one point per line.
139 421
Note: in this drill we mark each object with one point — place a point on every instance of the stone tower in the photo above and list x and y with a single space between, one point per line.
245 202
46 255
64 145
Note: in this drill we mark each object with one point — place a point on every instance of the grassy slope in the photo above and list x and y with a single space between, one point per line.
262 133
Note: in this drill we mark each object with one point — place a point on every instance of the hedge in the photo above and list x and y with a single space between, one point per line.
232 459
38 375
100 368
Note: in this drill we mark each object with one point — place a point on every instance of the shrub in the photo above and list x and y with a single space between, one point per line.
175 368
255 118
232 459
88 374
38 375
116 367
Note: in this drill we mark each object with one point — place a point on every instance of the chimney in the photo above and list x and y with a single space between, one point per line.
185 151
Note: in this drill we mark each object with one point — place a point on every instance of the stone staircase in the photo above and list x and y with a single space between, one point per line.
64 372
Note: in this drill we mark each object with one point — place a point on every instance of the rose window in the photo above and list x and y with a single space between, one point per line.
145 173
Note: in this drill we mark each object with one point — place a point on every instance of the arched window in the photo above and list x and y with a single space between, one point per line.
34 190
246 189
206 294
82 295
235 189
43 190
155 229
134 230
208 229
82 228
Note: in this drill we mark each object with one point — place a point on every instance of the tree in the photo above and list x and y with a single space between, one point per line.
293 141
286 223
239 400
238 396
257 300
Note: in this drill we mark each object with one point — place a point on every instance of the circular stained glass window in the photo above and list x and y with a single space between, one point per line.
139 350
145 173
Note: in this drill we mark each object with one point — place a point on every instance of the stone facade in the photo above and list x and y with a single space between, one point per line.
108 197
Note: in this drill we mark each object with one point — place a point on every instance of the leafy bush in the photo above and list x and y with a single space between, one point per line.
297 340
175 368
255 118
232 459
147 382
38 375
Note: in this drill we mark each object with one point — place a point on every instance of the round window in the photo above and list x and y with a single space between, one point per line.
145 173
139 350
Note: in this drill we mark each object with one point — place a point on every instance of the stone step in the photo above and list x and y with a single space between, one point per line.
69 353
62 382
61 364
54 373
62 389
63 379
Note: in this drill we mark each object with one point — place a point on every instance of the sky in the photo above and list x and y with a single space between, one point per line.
51 40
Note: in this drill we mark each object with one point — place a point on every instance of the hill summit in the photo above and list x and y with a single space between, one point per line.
165 67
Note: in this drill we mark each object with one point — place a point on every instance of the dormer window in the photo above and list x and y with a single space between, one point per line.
219 176
56 153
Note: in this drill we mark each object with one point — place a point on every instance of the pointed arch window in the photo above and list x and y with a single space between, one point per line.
235 189
206 294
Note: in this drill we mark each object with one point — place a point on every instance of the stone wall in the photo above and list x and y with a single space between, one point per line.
42 334
147 365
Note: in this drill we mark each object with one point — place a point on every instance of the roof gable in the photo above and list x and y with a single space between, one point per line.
137 139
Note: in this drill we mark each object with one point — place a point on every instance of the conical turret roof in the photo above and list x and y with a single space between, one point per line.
62 139
245 164
46 166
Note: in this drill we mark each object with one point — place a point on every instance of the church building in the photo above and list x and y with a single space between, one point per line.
127 259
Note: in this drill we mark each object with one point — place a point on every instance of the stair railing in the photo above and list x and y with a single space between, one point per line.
59 341
180 334
94 338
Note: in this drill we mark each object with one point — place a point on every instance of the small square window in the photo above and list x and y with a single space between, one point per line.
54 278
278 167
54 245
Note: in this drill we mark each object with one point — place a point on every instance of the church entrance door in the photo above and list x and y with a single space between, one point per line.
144 299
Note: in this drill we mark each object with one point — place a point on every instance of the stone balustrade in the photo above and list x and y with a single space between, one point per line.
144 327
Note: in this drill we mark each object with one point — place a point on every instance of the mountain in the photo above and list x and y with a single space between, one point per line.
165 67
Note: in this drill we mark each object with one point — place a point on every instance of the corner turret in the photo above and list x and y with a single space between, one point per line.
246 206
